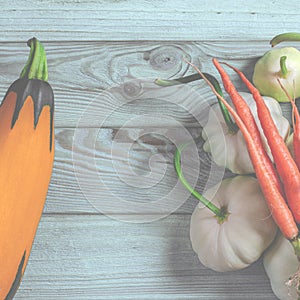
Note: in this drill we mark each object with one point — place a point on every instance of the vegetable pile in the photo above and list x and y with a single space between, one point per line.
236 157
237 222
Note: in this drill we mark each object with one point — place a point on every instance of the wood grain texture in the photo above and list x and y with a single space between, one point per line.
132 164
117 78
103 57
94 257
146 20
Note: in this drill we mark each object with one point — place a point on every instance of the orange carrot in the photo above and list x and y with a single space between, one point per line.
296 137
286 166
243 110
277 204
296 126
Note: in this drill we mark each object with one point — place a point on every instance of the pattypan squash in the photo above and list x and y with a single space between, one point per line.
228 148
241 236
280 262
278 64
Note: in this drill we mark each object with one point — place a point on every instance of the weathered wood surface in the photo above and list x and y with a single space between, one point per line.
122 167
94 257
103 57
85 72
147 20
118 79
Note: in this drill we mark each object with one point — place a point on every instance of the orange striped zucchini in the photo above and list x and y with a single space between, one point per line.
26 161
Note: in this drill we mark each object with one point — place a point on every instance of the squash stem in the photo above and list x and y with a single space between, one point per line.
283 67
221 214
284 37
232 127
36 65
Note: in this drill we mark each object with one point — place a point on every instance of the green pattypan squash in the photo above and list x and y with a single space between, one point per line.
278 64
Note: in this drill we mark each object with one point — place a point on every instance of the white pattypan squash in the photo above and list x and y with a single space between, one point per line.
229 149
239 239
280 263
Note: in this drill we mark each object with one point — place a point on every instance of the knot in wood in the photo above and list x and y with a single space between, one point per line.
165 58
131 89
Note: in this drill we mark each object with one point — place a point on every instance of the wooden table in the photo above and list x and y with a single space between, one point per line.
93 48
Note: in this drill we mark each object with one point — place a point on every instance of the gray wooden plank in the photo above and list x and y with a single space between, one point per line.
146 20
132 164
117 78
94 257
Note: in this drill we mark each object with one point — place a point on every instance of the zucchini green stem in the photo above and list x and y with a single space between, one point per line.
36 65
285 37
232 127
283 67
221 214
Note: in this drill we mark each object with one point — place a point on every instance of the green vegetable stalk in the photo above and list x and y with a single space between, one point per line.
220 213
36 65
285 37
232 127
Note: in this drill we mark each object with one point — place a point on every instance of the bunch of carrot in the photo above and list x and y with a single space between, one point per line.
280 183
